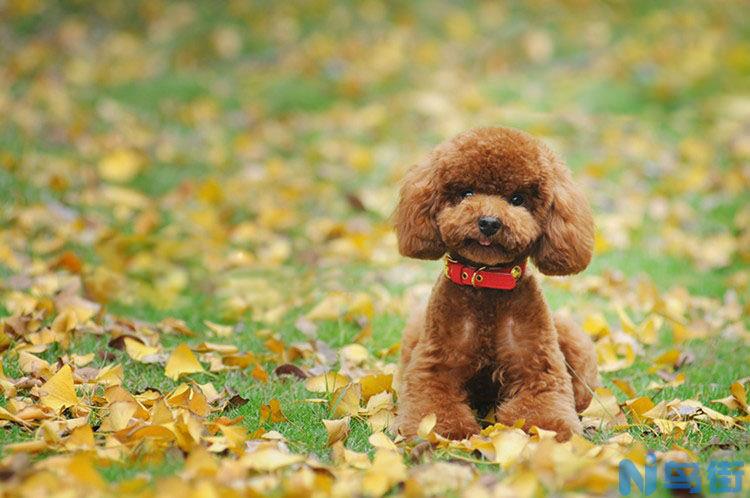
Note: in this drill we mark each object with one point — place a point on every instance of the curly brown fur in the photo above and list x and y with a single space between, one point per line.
480 348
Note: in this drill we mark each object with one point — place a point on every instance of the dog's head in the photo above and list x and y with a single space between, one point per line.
493 196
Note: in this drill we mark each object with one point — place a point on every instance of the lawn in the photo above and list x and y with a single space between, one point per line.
197 267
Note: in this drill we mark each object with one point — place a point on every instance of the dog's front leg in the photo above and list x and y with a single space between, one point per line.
430 387
536 385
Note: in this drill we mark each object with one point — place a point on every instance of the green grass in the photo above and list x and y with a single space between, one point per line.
716 365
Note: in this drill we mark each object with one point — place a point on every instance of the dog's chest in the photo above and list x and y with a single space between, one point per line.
483 336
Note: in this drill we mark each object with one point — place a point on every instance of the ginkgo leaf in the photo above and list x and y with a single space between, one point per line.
625 386
426 425
330 308
356 459
647 331
375 384
218 329
596 325
354 354
160 413
327 382
387 470
441 478
699 410
210 392
508 445
382 401
670 427
603 408
120 165
182 361
82 360
110 375
272 412
380 420
223 349
337 429
59 392
33 446
240 360
137 350
65 322
380 440
31 364
740 394
729 401
345 401
269 459
236 436
639 408
667 359
677 381
119 416
612 356
259 374
81 438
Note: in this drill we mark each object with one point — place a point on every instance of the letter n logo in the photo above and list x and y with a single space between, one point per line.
629 474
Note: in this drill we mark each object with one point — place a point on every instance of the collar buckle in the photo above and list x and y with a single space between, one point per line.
477 277
516 272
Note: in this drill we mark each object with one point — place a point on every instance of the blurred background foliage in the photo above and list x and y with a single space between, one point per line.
301 116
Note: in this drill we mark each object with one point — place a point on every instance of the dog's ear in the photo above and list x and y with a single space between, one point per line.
414 218
567 241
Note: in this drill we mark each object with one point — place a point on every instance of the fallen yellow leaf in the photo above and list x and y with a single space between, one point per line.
337 429
58 392
272 412
137 350
326 383
81 438
374 384
626 387
120 165
345 401
387 470
111 375
380 440
426 426
639 407
182 362
508 445
604 408
740 394
269 459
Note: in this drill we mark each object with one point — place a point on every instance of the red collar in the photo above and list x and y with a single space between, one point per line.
503 278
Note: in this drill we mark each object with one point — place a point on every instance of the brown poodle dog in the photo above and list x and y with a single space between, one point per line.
490 198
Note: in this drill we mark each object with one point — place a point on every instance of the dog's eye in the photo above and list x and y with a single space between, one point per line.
466 193
516 199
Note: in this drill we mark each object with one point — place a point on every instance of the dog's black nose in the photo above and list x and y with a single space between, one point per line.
489 225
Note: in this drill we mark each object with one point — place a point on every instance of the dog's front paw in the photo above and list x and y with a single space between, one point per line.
455 428
563 427
552 416
457 425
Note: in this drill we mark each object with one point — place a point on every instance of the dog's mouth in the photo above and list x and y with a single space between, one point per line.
482 241
487 250
484 251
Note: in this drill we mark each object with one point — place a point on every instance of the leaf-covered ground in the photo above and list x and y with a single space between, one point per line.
200 291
